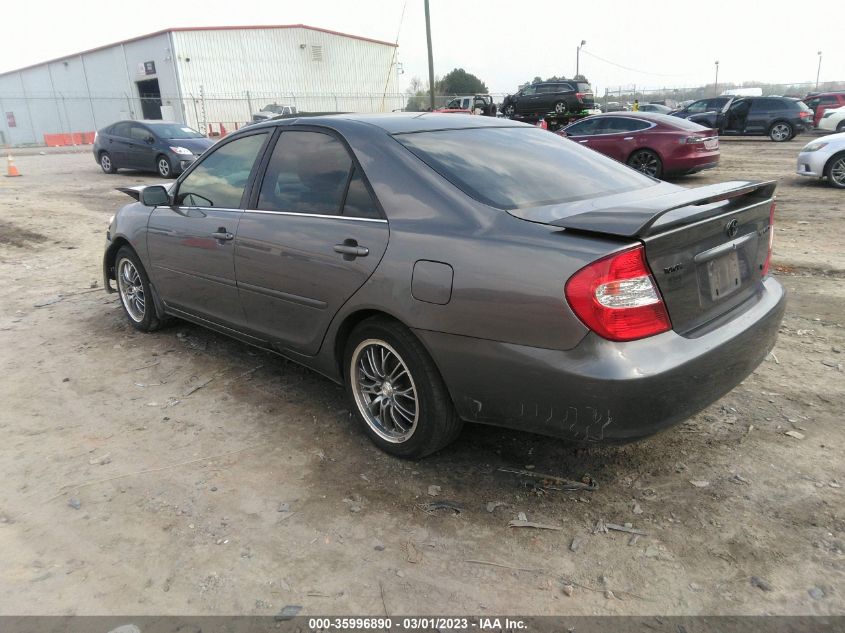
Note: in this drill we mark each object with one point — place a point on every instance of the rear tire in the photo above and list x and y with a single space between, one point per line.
841 127
560 107
396 391
835 171
647 162
106 163
133 286
781 132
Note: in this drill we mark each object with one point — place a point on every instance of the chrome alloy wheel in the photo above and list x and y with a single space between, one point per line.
781 132
164 167
131 290
837 172
105 162
384 390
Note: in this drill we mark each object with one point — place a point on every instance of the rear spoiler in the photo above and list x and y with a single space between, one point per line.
646 216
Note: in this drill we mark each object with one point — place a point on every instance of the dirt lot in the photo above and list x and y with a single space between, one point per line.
185 473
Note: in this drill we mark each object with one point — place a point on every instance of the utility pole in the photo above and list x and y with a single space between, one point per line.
716 83
430 56
578 58
818 72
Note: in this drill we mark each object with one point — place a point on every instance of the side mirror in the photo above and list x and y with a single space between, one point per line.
155 196
151 140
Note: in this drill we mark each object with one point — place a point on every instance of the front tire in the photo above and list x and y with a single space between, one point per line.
133 286
107 164
163 167
647 162
841 127
835 171
396 390
560 107
781 132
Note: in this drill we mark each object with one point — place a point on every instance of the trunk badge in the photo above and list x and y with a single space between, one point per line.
732 227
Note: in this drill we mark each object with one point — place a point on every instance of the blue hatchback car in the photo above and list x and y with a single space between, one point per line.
164 147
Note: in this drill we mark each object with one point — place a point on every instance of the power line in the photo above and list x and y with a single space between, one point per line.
635 70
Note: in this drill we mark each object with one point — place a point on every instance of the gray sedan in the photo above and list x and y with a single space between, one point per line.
452 268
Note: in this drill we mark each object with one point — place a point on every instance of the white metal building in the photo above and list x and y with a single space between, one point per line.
207 77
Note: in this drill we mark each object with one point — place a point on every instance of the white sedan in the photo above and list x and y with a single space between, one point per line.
824 158
833 120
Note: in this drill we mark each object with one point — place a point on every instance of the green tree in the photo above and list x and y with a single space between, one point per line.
459 82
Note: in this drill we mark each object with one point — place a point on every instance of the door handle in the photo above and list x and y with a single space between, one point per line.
223 235
587 141
350 249
628 138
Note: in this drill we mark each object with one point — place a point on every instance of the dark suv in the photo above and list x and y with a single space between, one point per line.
779 118
545 97
714 104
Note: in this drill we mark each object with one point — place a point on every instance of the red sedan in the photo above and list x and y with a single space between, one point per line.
655 144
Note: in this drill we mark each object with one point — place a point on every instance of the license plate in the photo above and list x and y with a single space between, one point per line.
723 273
711 143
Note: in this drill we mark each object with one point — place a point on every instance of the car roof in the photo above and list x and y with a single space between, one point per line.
400 122
653 117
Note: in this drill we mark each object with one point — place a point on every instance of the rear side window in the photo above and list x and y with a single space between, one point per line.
769 105
518 167
308 173
584 87
620 124
220 179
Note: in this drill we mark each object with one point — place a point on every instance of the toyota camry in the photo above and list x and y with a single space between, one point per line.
449 269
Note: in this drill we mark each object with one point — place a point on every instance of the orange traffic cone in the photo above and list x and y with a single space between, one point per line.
11 170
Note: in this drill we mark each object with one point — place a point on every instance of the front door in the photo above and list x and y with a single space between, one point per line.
140 151
312 237
191 244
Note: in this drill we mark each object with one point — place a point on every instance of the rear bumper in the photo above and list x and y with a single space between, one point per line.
601 390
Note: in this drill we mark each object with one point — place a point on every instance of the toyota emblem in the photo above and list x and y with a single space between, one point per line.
732 227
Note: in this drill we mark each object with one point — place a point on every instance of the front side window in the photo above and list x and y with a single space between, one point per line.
698 106
308 173
516 167
220 179
529 90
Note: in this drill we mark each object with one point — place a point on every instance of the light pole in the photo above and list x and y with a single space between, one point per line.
716 84
578 58
818 72
430 57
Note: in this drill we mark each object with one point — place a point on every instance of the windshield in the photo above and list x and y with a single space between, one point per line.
175 130
516 167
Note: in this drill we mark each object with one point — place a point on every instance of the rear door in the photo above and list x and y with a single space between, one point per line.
619 137
761 115
191 244
312 236
118 144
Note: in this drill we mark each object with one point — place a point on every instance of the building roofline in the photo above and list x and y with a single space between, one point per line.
252 27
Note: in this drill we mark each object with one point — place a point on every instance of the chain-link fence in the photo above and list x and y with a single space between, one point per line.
62 119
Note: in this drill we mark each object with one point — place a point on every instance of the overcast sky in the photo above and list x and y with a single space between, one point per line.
665 44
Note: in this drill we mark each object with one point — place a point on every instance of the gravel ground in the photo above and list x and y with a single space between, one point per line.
185 473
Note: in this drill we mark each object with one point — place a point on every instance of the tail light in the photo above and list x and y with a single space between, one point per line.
617 298
771 239
95 136
805 115
580 96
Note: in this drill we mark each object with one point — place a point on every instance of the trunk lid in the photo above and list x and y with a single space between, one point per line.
706 247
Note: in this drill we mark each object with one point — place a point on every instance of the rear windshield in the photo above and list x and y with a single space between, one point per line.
516 167
171 131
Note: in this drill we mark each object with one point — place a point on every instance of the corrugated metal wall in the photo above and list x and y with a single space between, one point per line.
244 69
211 77
83 92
